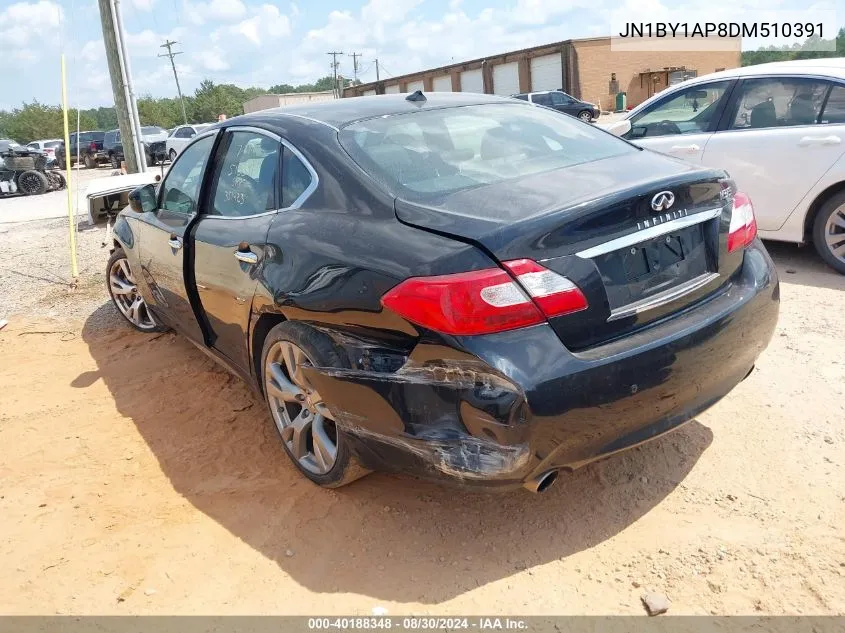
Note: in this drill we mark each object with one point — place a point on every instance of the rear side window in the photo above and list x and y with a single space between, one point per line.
834 109
245 182
522 97
429 153
778 102
296 179
87 137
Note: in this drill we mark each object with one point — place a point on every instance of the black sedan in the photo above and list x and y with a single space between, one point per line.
450 285
562 102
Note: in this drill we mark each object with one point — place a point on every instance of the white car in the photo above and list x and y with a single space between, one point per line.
778 129
180 137
48 146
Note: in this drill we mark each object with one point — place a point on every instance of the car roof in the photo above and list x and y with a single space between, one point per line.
341 112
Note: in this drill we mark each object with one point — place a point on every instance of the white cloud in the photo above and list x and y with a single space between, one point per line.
92 51
23 22
213 60
143 5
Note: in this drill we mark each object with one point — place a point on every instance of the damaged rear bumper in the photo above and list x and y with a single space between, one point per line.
501 410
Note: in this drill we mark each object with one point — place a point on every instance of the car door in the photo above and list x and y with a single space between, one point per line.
162 240
772 143
564 103
682 123
230 235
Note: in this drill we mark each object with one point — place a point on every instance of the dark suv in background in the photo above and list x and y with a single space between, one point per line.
559 100
90 150
154 139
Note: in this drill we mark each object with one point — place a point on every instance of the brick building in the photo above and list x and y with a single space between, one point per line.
585 68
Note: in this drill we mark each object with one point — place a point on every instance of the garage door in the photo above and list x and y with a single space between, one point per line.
472 81
369 93
506 79
442 84
413 86
546 73
392 90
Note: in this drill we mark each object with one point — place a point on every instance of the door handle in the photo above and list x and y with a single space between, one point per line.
687 149
819 140
247 257
175 242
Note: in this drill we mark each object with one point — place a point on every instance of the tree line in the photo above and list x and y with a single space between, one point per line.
33 121
796 51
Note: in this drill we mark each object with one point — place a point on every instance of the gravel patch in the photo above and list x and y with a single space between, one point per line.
35 271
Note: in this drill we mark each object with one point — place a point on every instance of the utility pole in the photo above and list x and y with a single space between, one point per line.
355 57
377 77
168 44
117 73
335 64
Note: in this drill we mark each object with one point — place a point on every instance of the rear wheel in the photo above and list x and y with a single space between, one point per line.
89 161
56 180
585 116
125 295
310 437
172 155
829 232
115 162
32 183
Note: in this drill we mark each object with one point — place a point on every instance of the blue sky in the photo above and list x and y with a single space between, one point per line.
263 42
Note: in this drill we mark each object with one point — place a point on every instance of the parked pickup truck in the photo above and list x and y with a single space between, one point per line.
90 150
154 139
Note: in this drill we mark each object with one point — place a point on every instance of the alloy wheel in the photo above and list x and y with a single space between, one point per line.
585 116
172 155
300 415
834 233
29 183
126 296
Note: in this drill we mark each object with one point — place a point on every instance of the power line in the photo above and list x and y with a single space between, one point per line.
168 44
335 64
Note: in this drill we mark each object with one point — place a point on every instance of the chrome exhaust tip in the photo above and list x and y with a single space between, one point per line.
542 483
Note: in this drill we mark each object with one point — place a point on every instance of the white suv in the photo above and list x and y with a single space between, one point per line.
779 130
181 136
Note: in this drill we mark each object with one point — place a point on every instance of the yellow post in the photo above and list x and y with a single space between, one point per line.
70 214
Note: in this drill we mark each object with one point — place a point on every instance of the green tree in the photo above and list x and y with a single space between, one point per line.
796 51
33 121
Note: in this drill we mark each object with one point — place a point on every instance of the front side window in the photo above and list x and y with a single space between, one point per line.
433 152
834 109
542 99
181 189
689 111
778 102
558 98
245 180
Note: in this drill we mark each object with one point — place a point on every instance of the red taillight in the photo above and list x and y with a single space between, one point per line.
93 146
485 301
743 227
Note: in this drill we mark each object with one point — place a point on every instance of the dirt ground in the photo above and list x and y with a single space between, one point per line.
138 477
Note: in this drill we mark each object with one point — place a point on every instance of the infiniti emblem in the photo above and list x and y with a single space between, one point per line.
663 201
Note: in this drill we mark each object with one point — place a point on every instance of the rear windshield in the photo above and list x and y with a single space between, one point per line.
87 137
429 153
52 144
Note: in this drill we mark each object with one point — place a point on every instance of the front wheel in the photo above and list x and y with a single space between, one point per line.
126 296
32 183
310 437
585 116
829 232
172 155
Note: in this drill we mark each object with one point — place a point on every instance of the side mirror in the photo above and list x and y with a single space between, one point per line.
143 199
618 128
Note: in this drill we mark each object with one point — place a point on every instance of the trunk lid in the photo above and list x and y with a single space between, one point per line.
595 224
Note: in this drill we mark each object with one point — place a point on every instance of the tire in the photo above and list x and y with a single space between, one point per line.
172 155
151 161
90 163
60 161
585 115
829 232
318 349
115 163
32 183
55 179
144 321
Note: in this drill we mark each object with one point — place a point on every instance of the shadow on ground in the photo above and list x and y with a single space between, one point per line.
385 536
802 265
